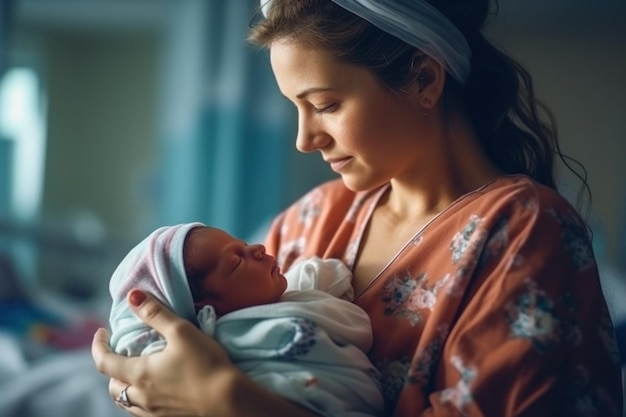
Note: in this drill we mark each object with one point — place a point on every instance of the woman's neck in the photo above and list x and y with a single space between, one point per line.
456 167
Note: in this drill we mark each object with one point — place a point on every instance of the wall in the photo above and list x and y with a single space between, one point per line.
101 92
578 64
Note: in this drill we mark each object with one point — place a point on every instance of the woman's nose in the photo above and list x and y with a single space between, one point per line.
257 251
310 135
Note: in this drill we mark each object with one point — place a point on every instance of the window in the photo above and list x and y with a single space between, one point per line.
22 144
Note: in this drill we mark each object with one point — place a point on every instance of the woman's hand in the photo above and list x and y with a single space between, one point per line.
192 374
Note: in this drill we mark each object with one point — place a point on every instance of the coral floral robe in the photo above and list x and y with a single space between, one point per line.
493 308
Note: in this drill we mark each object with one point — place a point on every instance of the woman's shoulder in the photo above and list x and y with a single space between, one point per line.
522 191
518 184
525 206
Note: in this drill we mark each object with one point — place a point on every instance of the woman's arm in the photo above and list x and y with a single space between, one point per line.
192 376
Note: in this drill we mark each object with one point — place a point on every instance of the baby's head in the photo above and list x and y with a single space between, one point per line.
229 274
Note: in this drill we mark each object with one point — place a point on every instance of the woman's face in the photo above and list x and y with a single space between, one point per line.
237 275
366 133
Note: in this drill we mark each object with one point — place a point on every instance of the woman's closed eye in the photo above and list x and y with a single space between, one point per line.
327 108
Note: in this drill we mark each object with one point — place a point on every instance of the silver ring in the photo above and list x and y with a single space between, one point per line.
122 399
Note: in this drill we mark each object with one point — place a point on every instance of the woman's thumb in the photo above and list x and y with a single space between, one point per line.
150 310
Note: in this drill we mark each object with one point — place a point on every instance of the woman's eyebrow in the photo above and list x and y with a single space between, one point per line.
312 90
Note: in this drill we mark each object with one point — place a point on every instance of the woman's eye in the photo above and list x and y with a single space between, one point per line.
326 109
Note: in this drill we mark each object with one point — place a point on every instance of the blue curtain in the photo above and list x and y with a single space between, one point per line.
227 134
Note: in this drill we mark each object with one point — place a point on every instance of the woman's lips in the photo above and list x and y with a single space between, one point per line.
338 164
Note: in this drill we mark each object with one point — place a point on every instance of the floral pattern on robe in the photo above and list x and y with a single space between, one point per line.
494 308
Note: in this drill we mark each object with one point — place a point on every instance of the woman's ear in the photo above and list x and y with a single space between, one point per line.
430 77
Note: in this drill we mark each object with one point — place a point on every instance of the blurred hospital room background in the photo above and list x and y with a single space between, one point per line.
120 116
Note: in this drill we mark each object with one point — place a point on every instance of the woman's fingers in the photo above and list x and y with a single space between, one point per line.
153 313
117 367
163 383
114 366
106 361
121 393
125 395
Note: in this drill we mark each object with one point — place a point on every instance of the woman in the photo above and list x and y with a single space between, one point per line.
478 277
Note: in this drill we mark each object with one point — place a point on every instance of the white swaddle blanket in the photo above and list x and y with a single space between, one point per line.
156 266
310 347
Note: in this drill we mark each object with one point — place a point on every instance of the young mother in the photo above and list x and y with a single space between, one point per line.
479 278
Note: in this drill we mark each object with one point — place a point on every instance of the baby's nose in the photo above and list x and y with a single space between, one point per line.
258 251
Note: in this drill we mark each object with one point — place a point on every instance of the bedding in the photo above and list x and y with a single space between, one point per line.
46 368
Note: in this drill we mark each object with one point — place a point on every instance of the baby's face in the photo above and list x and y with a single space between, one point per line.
237 275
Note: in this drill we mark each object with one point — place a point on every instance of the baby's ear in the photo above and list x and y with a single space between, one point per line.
204 297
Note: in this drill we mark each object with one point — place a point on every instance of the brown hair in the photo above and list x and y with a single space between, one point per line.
517 132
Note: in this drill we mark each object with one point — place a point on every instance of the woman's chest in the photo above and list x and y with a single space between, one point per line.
380 245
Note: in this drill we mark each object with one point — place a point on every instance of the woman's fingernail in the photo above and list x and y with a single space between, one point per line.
136 298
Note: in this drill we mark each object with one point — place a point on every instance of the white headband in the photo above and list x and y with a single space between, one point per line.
417 23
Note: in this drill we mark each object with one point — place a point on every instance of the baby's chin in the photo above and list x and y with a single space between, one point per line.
279 276
283 280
